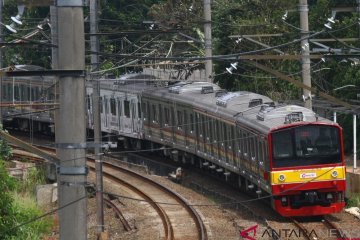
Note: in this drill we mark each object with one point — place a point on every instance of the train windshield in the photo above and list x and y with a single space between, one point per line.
306 145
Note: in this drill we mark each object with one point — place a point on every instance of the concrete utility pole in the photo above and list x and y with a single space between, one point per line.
306 74
208 41
94 42
71 129
1 55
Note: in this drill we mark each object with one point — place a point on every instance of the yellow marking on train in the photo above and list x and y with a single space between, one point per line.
306 175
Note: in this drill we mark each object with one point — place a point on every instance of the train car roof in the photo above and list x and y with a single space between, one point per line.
248 109
245 108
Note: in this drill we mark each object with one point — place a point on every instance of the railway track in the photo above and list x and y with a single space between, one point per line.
173 210
325 230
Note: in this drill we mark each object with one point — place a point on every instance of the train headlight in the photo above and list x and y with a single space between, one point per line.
284 201
334 174
281 177
329 196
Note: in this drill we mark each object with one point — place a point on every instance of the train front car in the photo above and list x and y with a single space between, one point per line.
307 168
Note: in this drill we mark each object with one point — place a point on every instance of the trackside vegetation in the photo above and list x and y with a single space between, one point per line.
17 203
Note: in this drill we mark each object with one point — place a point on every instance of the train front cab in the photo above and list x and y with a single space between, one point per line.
307 169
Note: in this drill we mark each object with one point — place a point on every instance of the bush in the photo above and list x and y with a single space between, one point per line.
353 201
25 211
7 216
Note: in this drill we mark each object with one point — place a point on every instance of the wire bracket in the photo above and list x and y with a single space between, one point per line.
73 170
72 3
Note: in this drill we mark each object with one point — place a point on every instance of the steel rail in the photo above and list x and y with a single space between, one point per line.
169 233
119 214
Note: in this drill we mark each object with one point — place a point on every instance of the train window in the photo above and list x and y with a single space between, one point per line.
192 125
101 105
252 146
208 129
154 116
166 116
120 113
139 109
261 151
180 122
113 106
27 94
22 93
106 106
306 145
201 125
16 93
223 135
215 131
127 108
4 93
88 102
232 138
145 110
281 144
246 137
37 94
172 117
11 92
186 127
160 115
